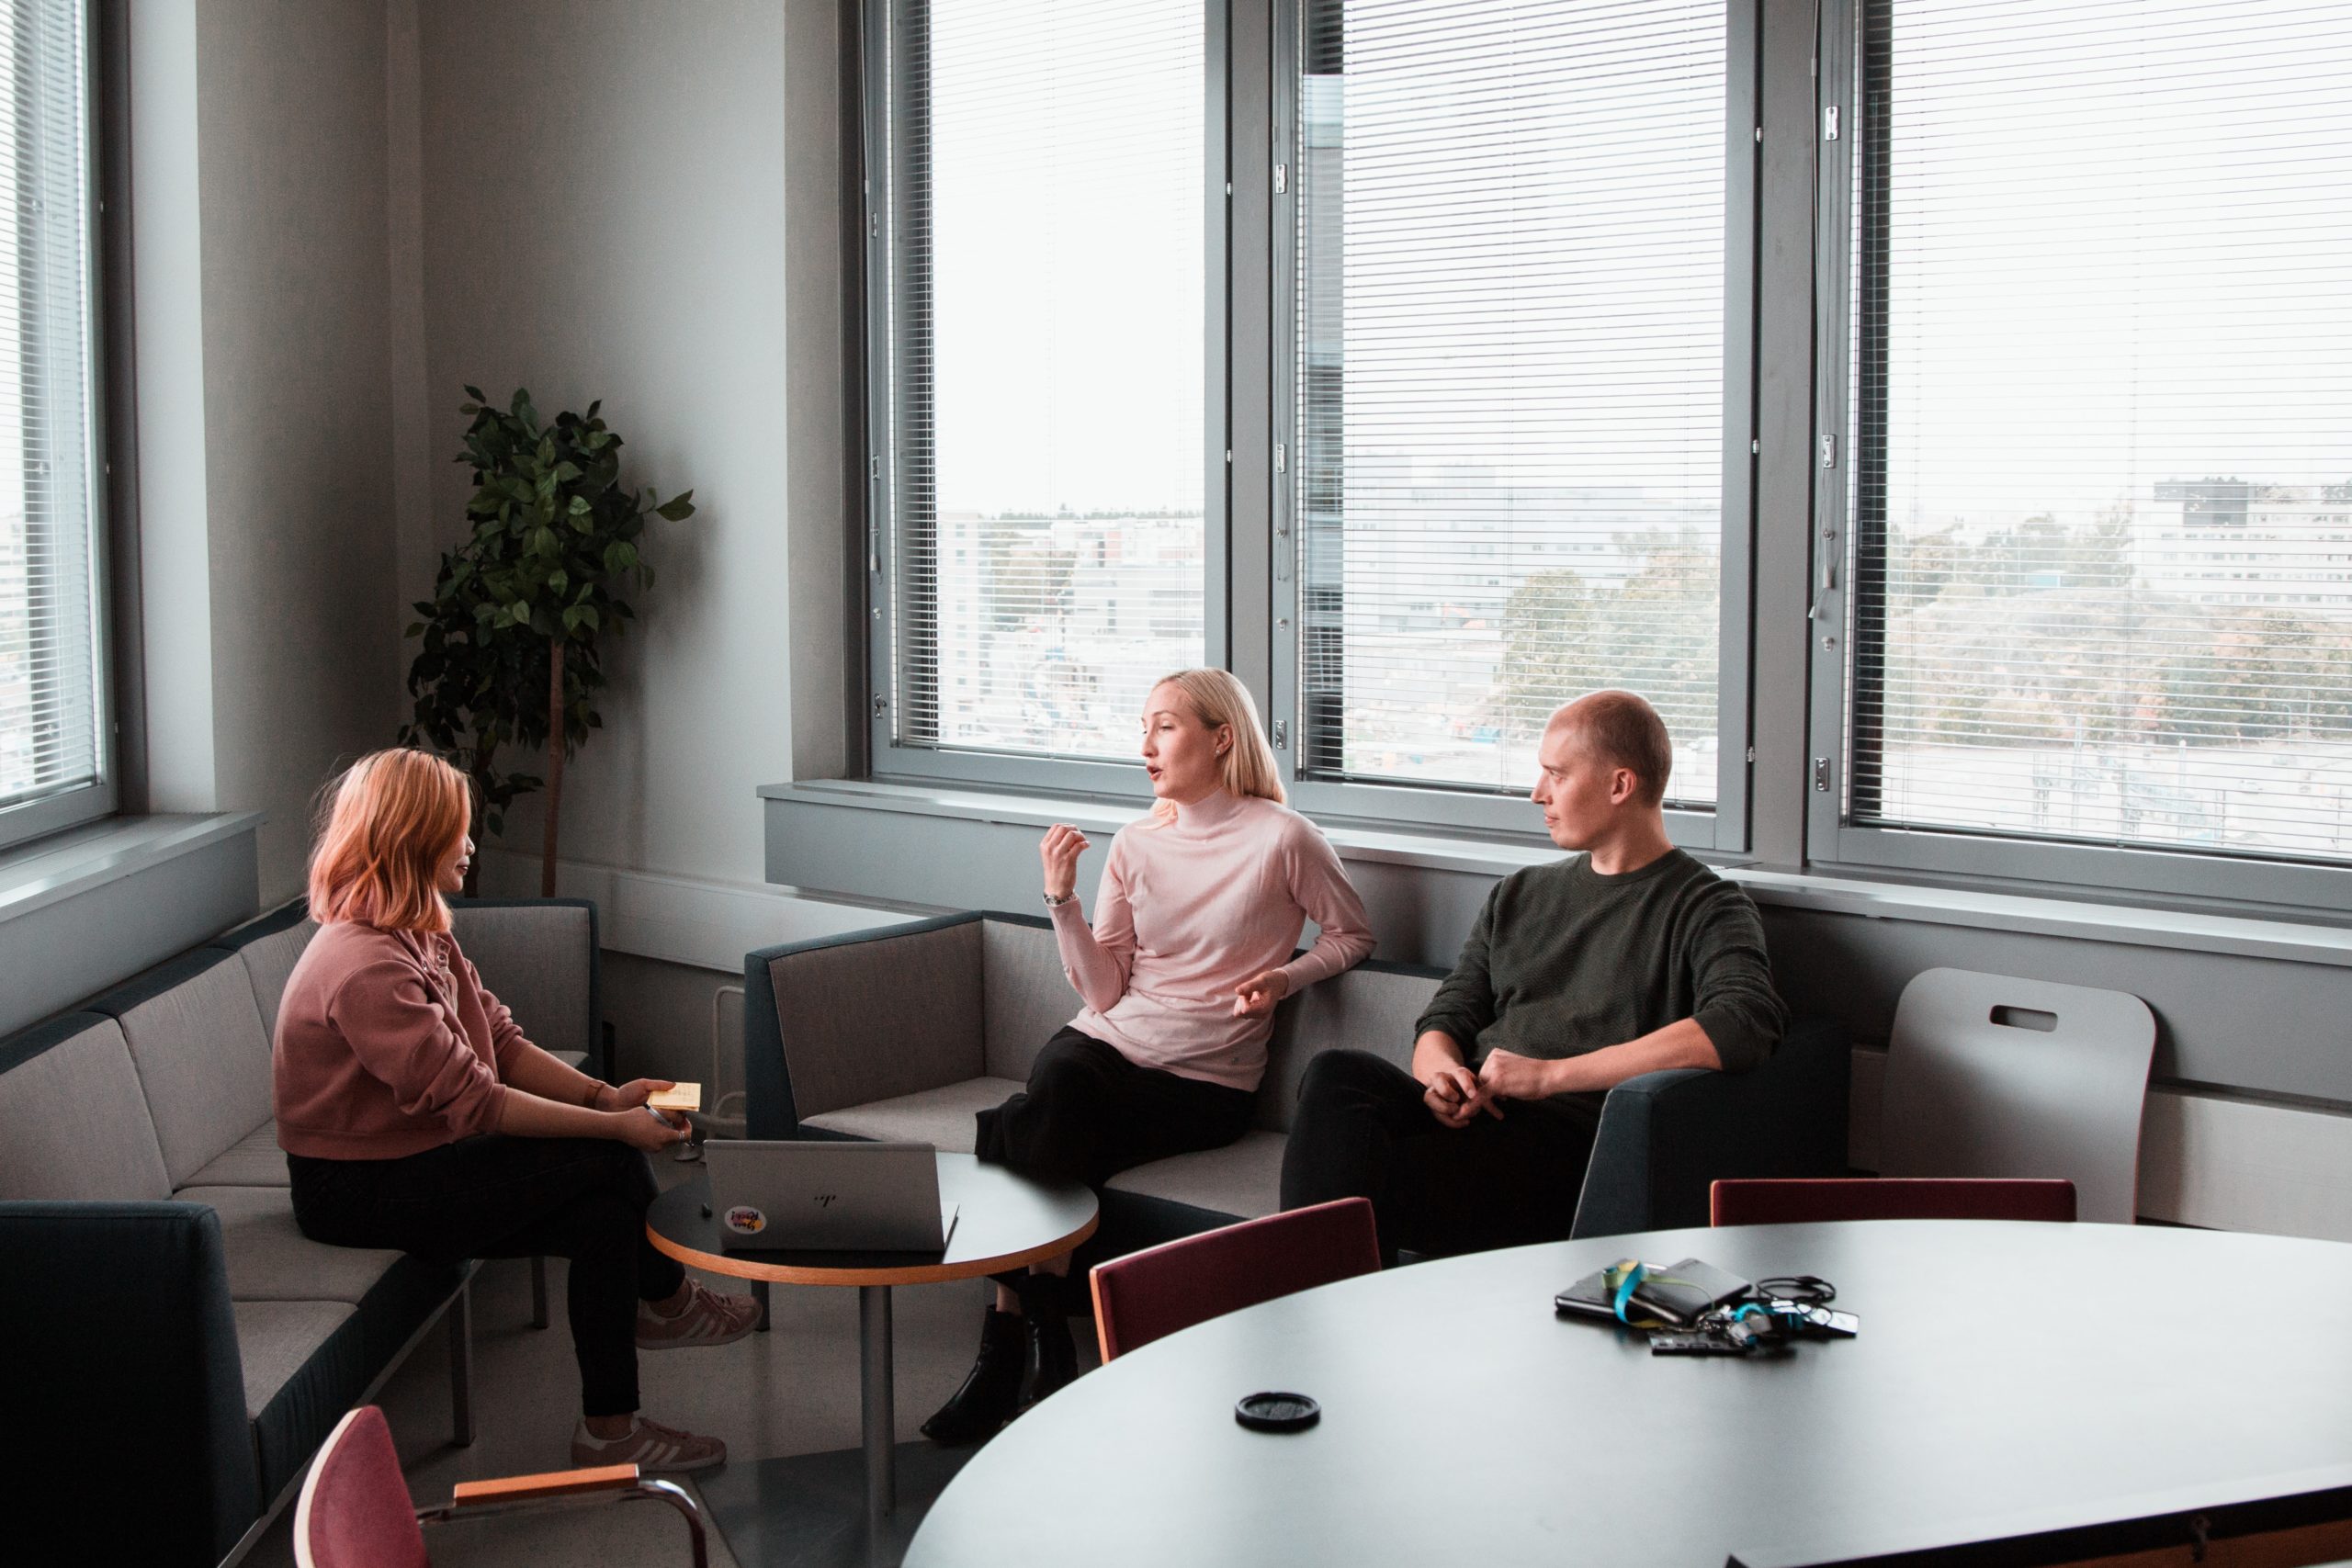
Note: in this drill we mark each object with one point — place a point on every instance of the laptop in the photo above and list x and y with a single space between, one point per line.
808 1196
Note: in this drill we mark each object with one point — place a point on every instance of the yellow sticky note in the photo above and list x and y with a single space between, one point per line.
682 1096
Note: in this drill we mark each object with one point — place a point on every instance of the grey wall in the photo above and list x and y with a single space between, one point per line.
258 175
605 199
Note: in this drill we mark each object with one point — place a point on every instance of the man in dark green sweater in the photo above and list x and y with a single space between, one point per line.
1627 959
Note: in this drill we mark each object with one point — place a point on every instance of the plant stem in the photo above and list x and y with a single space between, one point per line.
555 765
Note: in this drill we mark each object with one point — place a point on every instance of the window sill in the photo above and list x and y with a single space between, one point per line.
64 866
2287 939
93 904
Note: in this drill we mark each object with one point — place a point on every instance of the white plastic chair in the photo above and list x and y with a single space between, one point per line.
1987 1075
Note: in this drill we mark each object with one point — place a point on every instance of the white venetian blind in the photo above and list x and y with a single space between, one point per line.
1047 289
2102 478
51 709
1510 480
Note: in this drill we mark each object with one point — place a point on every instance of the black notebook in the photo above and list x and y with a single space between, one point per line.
1679 1293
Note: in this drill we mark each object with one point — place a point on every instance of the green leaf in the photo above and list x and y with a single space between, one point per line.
619 556
580 507
558 580
587 613
677 509
416 628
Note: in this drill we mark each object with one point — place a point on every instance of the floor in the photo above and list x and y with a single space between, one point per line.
793 1390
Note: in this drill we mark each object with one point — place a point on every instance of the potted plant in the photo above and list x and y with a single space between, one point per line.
513 632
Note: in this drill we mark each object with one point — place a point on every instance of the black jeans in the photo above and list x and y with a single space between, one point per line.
495 1196
1090 1113
1362 1130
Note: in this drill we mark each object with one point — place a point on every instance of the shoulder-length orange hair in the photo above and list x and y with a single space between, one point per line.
389 826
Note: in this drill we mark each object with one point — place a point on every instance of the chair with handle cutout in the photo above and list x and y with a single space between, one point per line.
1992 1076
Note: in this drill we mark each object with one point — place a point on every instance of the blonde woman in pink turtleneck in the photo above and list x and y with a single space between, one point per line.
1201 907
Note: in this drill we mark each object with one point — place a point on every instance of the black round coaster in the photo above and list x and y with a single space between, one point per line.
1277 1412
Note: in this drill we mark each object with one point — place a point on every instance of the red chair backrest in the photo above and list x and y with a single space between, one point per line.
1146 1295
354 1511
1776 1202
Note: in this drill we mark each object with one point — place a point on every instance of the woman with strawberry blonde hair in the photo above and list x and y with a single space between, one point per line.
416 1115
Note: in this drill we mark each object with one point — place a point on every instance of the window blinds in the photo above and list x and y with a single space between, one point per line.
1048 167
49 698
2102 417
1510 377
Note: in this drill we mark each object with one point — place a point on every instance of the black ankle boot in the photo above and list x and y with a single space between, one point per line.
1053 1355
991 1391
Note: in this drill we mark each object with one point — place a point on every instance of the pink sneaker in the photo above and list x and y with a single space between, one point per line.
709 1317
649 1445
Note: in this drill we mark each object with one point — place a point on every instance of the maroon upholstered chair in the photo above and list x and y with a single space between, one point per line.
1148 1294
1772 1202
354 1510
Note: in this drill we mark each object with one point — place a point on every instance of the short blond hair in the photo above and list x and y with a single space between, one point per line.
1216 698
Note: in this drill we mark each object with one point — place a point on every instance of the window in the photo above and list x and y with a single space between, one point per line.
2096 333
1447 425
1521 418
1042 528
55 760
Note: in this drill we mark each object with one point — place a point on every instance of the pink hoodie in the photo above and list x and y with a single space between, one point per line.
1189 909
387 1047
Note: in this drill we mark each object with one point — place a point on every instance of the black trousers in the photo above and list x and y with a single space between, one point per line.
1090 1113
495 1196
1362 1130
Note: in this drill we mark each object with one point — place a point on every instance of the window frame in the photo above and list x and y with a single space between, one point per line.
1250 595
890 761
1834 840
1504 812
76 804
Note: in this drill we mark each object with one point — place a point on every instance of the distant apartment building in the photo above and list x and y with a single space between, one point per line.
2230 541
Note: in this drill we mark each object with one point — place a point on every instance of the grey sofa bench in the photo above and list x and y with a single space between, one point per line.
905 1032
179 1346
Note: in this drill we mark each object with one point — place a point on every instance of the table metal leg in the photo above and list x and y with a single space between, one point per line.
878 1418
760 1294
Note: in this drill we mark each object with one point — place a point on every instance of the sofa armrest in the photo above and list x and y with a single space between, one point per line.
541 957
868 1015
1665 1137
122 1348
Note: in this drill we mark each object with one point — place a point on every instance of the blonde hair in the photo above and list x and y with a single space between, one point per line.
1216 698
389 825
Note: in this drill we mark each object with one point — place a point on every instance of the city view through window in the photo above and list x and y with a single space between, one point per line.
1066 447
50 719
2106 448
1511 379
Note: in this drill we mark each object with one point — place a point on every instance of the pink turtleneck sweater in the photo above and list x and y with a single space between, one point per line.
1189 909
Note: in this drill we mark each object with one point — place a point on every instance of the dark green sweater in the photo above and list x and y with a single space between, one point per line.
1564 960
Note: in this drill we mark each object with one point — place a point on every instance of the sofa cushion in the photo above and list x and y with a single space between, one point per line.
253 1160
917 996
1371 1008
274 1338
940 1117
538 959
268 949
1024 996
271 1260
196 1036
77 1125
1244 1179
292 1416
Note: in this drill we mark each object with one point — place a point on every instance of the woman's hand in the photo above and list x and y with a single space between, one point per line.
1256 997
648 1130
1060 852
630 1095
